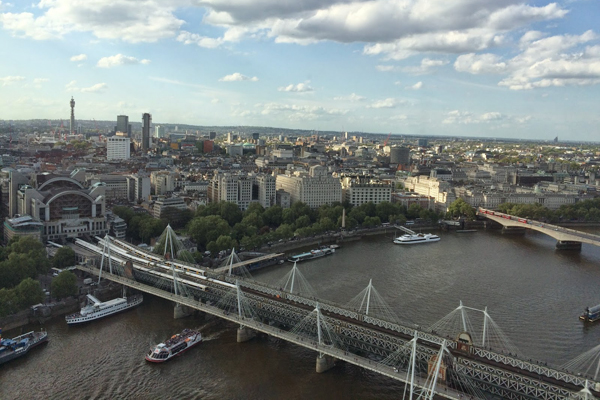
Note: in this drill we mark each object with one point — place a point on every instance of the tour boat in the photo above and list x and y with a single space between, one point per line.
416 238
177 344
96 309
591 314
20 345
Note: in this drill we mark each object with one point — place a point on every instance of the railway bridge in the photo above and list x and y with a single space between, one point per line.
566 238
431 362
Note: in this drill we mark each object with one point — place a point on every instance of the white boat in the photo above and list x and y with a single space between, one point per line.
177 344
96 309
416 238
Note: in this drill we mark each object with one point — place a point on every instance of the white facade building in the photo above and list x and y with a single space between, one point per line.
118 148
359 190
315 188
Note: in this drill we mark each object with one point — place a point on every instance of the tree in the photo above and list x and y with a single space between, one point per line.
207 229
285 231
255 208
225 242
230 212
64 257
303 221
371 221
9 303
384 209
29 292
272 216
64 285
460 208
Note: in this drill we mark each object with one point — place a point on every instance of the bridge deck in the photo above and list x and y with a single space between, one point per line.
441 389
267 257
555 231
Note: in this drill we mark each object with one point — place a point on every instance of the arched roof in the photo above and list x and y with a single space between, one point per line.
66 192
50 182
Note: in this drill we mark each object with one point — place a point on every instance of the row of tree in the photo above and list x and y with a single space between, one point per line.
587 210
222 226
23 257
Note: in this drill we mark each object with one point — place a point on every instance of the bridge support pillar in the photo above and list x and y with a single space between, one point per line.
568 245
244 334
513 230
181 311
324 363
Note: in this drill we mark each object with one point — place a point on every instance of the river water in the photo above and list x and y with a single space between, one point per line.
533 292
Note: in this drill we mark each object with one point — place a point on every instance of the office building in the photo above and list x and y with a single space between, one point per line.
315 188
123 124
361 189
118 148
146 120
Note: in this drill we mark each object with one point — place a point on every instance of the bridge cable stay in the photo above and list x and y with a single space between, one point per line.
105 254
405 360
584 394
230 262
432 377
315 326
169 243
371 303
587 364
235 302
294 282
486 335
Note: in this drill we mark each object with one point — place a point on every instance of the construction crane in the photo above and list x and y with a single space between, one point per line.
386 140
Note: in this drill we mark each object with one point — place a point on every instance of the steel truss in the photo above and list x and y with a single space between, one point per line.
521 387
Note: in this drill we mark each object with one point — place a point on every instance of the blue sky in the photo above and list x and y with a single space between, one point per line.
425 67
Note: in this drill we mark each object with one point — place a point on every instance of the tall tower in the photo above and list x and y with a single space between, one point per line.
146 119
72 124
123 124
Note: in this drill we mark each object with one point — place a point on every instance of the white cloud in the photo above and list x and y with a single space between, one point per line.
9 80
426 66
40 80
97 88
119 59
492 117
479 64
416 86
350 97
202 41
385 68
236 77
299 88
294 112
80 57
390 102
399 117
543 62
130 21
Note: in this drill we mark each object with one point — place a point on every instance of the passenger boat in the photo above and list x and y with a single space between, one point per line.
416 238
20 345
96 309
323 251
591 314
177 344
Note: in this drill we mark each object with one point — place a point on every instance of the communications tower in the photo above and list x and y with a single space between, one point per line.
72 123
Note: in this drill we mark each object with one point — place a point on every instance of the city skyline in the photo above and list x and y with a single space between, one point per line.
470 68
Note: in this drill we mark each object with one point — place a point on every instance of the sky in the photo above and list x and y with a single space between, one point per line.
492 68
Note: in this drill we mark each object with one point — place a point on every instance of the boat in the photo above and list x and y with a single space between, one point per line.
20 345
96 309
176 345
591 314
416 238
321 252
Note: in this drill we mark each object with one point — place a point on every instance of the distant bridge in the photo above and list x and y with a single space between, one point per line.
567 238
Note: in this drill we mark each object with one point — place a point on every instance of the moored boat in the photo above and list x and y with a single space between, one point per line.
416 238
176 345
323 251
96 309
20 345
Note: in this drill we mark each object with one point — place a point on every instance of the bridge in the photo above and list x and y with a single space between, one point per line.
566 238
430 361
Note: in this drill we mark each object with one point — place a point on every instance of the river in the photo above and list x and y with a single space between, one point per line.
533 292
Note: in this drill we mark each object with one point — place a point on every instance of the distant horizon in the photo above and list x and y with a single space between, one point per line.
517 69
335 133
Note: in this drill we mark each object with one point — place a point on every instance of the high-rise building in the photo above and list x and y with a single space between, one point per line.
400 155
123 124
159 131
146 120
72 122
117 148
212 135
